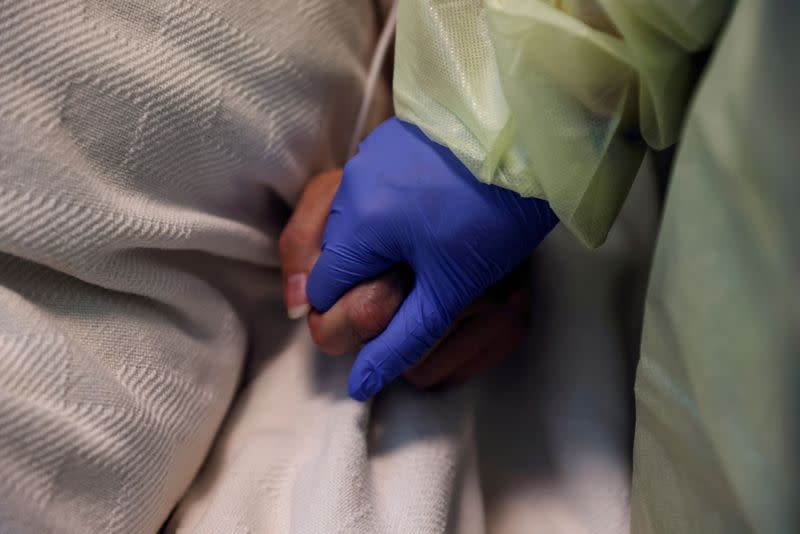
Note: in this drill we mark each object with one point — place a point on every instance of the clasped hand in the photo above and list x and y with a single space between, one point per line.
408 242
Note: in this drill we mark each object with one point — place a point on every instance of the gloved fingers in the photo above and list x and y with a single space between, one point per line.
338 269
300 241
361 314
414 329
479 340
464 342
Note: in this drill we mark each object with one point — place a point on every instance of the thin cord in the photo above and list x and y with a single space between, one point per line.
378 58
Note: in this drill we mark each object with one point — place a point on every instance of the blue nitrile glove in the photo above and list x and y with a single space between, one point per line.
405 199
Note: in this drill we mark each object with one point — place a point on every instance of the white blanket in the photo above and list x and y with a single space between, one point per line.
144 146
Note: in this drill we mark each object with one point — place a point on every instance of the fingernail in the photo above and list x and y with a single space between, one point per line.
369 385
297 305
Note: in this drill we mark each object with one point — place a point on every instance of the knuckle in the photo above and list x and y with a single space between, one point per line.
287 242
318 335
294 240
369 315
324 342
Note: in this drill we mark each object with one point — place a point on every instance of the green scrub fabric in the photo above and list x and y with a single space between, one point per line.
717 385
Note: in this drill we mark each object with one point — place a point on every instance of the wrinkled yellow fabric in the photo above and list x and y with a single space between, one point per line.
553 99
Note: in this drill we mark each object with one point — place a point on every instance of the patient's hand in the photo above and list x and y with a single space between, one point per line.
481 336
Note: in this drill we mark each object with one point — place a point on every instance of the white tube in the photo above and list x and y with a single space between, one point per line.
378 58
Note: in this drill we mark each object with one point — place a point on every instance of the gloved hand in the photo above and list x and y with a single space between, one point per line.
405 199
481 336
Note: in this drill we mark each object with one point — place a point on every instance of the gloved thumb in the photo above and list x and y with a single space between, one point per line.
338 269
417 325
